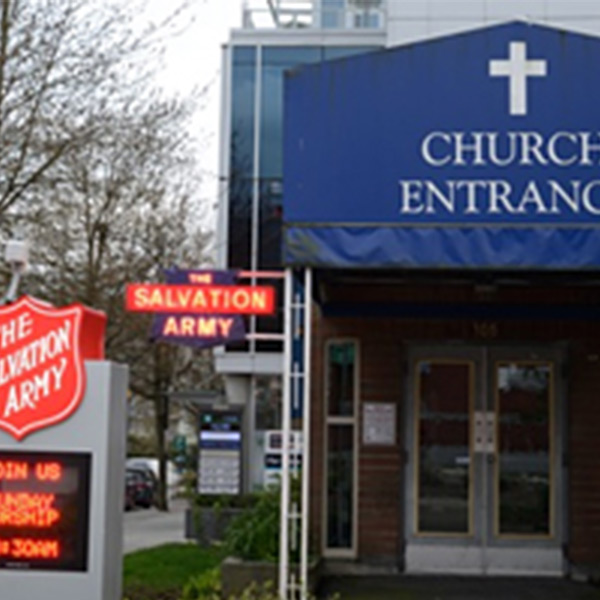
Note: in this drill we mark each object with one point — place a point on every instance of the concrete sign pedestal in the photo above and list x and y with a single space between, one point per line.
95 431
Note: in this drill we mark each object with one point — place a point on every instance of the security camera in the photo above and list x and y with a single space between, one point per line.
16 254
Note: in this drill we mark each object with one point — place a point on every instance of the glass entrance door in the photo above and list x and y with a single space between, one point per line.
524 403
483 477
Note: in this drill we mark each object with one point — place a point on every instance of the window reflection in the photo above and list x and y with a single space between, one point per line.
340 477
276 60
340 383
333 14
267 390
340 390
524 448
240 223
241 158
444 402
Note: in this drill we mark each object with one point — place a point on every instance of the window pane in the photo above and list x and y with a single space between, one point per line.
270 224
275 61
524 400
272 324
444 447
240 219
332 14
340 380
340 475
241 165
242 110
268 402
290 56
332 52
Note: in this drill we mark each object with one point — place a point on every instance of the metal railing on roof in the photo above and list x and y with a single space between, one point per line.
314 14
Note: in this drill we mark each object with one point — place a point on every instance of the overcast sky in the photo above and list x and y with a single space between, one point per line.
193 60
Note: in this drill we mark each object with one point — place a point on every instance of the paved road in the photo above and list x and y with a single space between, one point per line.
145 528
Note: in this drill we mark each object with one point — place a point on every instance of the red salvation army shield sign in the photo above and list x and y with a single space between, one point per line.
42 376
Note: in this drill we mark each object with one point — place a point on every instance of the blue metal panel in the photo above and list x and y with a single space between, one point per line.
374 174
297 366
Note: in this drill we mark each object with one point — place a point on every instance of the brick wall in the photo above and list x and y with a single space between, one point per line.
383 378
584 454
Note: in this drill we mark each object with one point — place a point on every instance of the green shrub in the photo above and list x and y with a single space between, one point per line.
223 501
266 591
206 586
254 534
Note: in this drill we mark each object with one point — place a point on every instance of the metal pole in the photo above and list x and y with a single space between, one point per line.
255 215
306 435
11 293
286 427
484 464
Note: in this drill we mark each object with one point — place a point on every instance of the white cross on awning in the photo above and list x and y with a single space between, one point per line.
517 68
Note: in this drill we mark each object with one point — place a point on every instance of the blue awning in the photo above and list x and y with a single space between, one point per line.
450 247
479 150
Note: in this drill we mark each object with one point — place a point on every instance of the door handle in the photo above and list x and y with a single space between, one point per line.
484 431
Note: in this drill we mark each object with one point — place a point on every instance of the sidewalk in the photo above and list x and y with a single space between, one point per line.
392 587
146 528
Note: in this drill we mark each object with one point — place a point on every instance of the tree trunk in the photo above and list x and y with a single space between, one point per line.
161 423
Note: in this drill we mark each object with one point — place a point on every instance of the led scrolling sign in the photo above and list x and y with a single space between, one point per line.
44 510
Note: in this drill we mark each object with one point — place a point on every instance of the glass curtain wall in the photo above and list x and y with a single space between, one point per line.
256 157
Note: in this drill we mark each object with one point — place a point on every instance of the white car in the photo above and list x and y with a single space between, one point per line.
143 462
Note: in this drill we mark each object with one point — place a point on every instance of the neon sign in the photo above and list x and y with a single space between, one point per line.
200 308
203 299
44 510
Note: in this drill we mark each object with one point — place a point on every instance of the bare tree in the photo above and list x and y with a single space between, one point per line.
61 63
100 171
122 208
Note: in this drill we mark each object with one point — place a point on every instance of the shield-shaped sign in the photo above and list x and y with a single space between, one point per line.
42 377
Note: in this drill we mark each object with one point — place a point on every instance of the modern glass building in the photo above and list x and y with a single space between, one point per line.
454 365
276 37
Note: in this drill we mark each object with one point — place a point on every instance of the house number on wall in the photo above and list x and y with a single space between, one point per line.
485 330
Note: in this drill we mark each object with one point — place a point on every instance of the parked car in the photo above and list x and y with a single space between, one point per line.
150 463
145 485
131 482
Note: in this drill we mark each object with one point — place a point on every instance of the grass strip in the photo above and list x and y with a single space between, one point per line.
160 573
